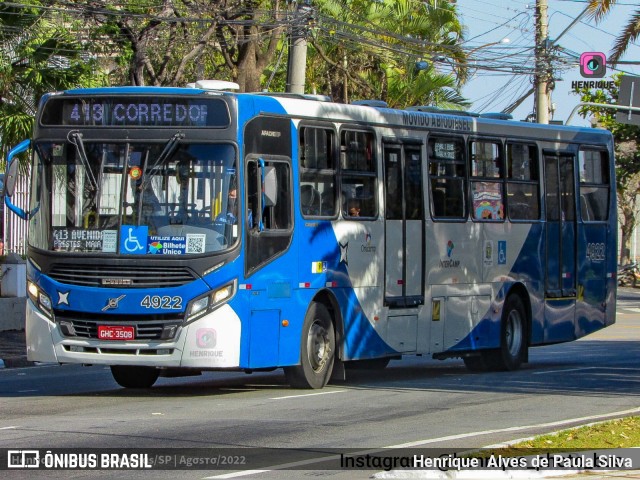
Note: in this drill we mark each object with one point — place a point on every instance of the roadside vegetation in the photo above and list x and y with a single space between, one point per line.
619 433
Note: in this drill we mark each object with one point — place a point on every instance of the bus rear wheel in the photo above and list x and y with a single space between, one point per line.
513 341
513 337
317 350
134 377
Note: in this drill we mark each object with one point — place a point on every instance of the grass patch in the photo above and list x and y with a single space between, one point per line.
620 433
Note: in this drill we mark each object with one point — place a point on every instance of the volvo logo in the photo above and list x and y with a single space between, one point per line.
112 303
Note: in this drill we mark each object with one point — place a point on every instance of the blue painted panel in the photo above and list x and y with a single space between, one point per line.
553 256
265 338
592 278
559 320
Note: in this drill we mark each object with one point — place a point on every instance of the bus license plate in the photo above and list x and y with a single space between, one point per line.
112 332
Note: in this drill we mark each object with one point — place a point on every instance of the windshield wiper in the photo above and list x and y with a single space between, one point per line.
75 137
169 149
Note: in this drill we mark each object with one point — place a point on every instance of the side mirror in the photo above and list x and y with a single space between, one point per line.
10 179
270 187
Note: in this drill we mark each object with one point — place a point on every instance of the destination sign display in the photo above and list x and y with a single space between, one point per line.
135 111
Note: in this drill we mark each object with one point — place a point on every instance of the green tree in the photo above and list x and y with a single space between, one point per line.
600 9
627 149
175 42
359 49
37 54
363 49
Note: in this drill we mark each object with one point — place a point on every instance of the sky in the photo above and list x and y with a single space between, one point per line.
490 22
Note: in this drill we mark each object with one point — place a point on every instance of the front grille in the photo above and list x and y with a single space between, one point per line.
157 327
118 276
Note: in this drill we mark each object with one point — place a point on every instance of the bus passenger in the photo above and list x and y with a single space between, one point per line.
353 209
231 216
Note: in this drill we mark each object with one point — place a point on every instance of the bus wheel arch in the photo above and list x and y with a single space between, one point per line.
317 349
515 336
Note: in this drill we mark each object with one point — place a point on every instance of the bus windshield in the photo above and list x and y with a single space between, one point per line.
155 198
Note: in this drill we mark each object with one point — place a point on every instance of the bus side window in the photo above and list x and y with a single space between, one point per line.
318 172
309 200
447 171
269 222
487 184
438 202
360 173
594 185
523 199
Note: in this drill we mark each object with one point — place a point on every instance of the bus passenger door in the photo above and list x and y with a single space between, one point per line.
404 225
560 281
561 226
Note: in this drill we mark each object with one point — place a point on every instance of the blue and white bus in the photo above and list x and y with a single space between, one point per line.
180 230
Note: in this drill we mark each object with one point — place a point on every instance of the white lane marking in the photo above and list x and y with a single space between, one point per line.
8 428
608 370
307 395
522 427
431 440
545 372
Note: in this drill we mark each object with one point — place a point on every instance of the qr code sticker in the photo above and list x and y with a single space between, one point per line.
195 242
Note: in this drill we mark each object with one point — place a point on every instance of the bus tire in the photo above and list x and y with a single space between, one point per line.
134 377
513 336
513 341
317 350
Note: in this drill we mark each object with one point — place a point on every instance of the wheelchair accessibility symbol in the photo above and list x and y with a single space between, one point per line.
502 252
133 240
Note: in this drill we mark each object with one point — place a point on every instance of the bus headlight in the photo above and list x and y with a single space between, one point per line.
40 299
222 294
200 306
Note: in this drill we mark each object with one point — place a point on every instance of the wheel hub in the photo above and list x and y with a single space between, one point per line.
319 348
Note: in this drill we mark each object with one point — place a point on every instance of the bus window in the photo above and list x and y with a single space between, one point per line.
358 185
316 148
358 195
447 171
523 197
269 221
356 151
317 172
262 215
487 194
594 185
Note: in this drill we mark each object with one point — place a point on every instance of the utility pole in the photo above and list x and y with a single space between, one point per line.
549 43
297 64
542 78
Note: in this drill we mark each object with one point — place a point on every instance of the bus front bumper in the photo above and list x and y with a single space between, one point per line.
211 342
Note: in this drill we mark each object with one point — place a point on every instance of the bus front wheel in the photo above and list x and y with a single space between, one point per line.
134 377
317 350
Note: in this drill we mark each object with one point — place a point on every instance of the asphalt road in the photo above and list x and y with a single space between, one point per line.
416 402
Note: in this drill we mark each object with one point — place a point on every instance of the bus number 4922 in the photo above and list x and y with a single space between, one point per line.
155 301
